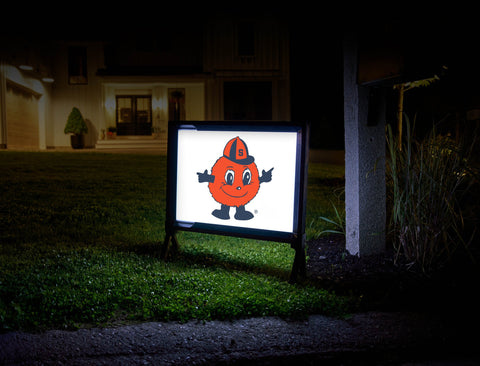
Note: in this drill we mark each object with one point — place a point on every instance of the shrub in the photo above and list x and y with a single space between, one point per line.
75 123
426 180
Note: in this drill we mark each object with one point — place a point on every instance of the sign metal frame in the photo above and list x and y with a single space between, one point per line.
295 237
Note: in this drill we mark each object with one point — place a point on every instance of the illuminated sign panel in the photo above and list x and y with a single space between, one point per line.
238 179
254 191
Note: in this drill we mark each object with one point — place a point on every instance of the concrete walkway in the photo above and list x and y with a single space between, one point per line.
373 338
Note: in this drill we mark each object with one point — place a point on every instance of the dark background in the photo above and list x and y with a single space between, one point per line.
421 40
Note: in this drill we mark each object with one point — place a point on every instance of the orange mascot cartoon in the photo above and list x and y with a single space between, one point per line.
234 180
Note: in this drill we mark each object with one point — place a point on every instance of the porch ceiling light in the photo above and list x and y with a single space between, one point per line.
48 79
25 67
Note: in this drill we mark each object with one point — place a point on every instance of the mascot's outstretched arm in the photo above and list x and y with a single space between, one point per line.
266 176
205 177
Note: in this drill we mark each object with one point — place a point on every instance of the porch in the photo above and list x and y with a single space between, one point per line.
152 143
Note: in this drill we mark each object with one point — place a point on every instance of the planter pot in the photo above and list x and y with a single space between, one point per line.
77 141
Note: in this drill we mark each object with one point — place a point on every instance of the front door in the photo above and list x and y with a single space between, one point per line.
134 115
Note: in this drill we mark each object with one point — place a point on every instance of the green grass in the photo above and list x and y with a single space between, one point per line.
80 235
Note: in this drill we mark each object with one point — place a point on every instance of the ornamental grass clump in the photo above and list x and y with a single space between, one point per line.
426 181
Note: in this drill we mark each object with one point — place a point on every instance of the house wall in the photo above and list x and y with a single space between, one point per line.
157 87
204 89
270 62
96 99
221 40
87 98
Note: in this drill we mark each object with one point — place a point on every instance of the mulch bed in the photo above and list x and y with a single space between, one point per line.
381 284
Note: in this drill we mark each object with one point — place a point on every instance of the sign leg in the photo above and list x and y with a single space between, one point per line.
170 237
299 267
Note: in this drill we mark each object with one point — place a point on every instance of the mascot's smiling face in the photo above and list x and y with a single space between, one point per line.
235 184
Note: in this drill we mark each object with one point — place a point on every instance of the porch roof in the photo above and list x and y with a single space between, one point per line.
150 70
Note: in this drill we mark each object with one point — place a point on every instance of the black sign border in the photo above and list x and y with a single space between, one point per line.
296 237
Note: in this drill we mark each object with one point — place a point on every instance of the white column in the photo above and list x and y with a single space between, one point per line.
365 193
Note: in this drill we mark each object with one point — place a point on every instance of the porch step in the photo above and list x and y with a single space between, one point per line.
133 143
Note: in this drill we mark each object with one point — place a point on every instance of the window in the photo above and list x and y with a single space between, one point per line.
247 101
77 65
134 115
176 104
124 109
246 39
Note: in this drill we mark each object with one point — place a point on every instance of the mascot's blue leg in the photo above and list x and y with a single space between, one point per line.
223 213
242 214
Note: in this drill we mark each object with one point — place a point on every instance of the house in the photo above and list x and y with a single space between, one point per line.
134 81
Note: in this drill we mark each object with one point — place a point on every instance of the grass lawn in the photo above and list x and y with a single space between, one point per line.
80 235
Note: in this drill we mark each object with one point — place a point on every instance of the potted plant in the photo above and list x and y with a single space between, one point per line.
111 133
77 127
